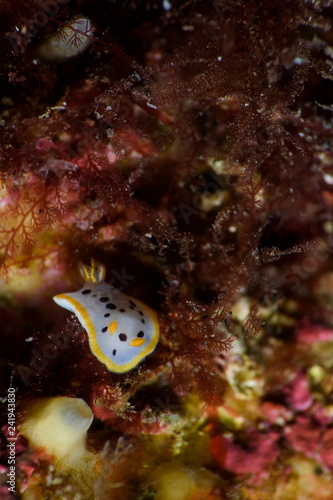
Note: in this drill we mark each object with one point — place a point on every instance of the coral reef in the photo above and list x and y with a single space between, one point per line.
187 146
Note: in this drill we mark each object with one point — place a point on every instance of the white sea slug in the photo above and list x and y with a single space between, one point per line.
121 329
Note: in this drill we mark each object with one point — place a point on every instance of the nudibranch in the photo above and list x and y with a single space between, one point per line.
122 330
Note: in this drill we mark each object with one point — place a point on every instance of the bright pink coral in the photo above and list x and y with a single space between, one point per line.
310 334
253 457
298 392
275 413
326 451
303 435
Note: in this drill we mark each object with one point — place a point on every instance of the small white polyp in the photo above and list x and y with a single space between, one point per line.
59 425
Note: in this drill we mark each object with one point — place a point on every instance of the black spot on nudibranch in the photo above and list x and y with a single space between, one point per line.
110 306
85 292
122 337
122 310
114 352
104 299
141 313
104 329
143 321
140 334
132 304
106 315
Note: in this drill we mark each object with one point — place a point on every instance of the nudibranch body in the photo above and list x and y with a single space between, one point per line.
121 329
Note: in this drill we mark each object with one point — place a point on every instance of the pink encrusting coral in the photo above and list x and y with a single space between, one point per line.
276 413
325 451
310 334
308 437
298 393
303 435
187 147
261 450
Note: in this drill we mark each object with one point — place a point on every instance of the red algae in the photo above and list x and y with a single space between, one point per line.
187 146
